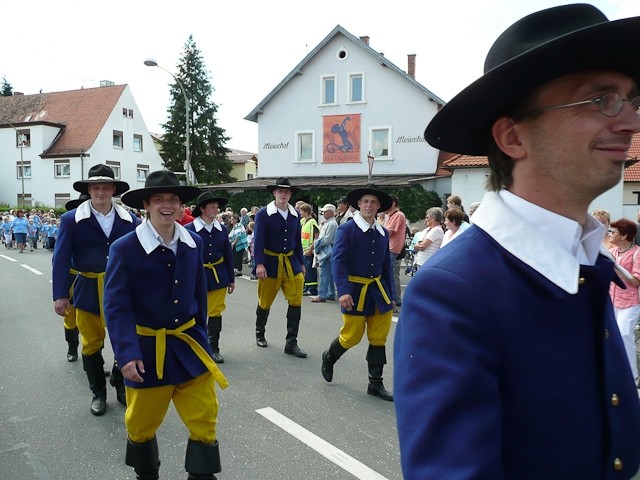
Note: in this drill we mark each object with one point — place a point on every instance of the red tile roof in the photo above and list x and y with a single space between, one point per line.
632 173
82 113
465 161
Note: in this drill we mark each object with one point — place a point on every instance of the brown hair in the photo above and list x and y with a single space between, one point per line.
626 227
454 215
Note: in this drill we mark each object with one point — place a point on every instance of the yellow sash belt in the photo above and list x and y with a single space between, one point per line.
283 262
212 266
161 349
100 277
365 286
72 272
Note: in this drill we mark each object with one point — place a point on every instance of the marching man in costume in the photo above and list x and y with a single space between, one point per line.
362 271
71 332
86 234
279 263
218 262
156 310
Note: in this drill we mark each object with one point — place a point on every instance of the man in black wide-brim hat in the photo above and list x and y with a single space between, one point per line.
156 311
509 362
279 263
86 232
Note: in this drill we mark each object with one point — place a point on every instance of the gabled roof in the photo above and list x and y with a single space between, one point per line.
253 116
632 173
240 156
81 114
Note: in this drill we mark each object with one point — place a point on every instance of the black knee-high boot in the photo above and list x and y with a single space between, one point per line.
330 357
214 327
92 364
202 460
377 358
71 336
144 459
293 324
117 381
261 321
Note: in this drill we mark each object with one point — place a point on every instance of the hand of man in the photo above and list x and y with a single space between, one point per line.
261 272
231 288
131 369
346 301
62 306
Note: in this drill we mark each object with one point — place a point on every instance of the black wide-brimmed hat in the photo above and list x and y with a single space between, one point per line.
385 200
206 198
160 181
101 174
539 48
282 182
71 204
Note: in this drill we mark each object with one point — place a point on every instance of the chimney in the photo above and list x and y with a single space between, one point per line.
365 40
411 65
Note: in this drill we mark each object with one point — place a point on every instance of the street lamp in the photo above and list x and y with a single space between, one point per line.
187 164
19 137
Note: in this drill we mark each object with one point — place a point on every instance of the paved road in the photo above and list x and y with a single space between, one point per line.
278 420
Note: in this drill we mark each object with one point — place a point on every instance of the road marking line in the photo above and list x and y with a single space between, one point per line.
31 269
8 258
324 448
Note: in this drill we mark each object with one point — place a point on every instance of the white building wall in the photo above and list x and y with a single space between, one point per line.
43 185
390 100
469 184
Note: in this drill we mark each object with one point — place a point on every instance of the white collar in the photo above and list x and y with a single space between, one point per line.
364 225
148 237
84 211
199 224
535 247
271 209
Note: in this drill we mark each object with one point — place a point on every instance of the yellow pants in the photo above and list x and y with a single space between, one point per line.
70 319
291 288
353 327
215 302
91 328
195 401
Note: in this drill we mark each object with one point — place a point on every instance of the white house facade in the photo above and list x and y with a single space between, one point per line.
343 103
49 141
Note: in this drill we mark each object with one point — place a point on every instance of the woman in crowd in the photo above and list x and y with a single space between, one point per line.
431 237
453 218
626 302
604 218
238 239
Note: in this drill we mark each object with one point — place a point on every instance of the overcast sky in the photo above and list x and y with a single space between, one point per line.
247 46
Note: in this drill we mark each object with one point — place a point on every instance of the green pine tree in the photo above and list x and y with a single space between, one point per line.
6 90
207 140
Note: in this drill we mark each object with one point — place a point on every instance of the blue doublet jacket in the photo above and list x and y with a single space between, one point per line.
156 290
216 245
504 373
363 254
82 245
273 233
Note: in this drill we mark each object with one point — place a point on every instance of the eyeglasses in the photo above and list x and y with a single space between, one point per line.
610 104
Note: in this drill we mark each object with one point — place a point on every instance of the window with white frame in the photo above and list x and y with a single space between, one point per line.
61 199
304 147
249 176
130 113
23 138
356 87
137 143
115 166
61 168
329 90
380 141
25 200
118 139
23 167
143 172
124 112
